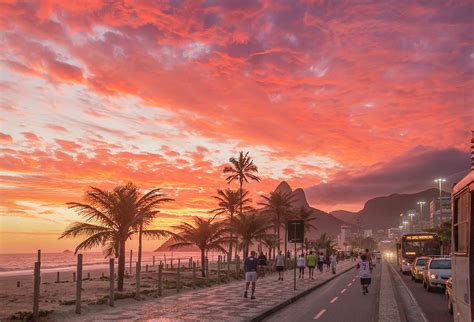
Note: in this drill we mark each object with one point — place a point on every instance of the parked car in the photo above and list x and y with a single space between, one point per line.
436 273
417 268
449 294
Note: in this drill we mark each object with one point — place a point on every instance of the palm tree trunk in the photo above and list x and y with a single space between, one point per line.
203 261
140 245
121 265
286 239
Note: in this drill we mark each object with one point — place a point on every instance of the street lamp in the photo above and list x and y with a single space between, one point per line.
405 223
411 221
440 182
421 203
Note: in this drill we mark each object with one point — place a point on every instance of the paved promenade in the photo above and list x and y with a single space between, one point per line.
222 302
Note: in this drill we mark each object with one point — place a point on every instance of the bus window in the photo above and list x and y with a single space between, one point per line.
460 223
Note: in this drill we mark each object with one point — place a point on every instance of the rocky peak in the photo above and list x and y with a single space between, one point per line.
283 187
299 198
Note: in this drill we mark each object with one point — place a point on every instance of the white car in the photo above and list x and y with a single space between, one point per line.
436 273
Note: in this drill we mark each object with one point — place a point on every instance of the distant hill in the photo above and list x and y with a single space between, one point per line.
324 222
165 247
384 212
347 216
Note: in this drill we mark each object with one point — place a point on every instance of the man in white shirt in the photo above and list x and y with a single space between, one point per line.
280 265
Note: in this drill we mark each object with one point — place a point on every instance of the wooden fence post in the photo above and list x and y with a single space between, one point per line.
88 276
219 270
171 262
160 279
178 280
237 267
111 280
74 277
131 255
79 284
39 256
194 275
138 271
146 268
36 290
153 261
57 277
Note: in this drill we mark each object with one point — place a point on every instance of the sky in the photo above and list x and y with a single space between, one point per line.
348 100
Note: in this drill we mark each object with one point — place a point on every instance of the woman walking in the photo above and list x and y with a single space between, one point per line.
301 263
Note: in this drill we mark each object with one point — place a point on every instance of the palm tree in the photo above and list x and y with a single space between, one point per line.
248 227
206 234
242 169
277 206
229 202
307 245
325 242
112 217
146 212
271 243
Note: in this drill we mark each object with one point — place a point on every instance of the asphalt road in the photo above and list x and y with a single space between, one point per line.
339 300
434 305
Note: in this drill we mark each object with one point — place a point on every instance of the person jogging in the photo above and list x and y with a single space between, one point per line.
280 265
301 263
311 262
333 261
262 263
365 273
250 266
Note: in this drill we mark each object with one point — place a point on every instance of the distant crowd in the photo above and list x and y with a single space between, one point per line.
255 267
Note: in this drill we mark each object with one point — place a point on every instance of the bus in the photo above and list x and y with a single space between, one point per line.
463 249
413 245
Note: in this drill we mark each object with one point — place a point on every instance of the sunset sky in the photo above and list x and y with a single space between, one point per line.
348 101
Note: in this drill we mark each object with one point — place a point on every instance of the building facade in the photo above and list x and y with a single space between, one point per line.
437 215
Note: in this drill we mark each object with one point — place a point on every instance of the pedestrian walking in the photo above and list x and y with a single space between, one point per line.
365 273
250 266
320 262
262 264
280 265
333 261
301 263
327 262
311 262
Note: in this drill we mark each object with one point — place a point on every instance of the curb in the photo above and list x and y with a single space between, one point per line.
293 299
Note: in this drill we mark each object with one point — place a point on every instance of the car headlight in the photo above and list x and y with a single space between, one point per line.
434 276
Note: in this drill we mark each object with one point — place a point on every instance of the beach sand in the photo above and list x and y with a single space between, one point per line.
60 297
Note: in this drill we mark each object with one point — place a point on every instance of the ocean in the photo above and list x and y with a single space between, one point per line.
22 264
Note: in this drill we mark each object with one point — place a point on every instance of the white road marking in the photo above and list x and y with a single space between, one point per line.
334 300
343 291
319 314
349 284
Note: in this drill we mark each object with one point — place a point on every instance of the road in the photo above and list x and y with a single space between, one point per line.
339 300
434 305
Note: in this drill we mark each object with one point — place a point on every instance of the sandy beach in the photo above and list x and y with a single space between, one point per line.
60 297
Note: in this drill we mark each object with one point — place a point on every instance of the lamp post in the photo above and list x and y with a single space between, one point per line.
440 182
411 221
421 203
405 223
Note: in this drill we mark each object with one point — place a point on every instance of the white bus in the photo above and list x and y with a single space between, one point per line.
463 249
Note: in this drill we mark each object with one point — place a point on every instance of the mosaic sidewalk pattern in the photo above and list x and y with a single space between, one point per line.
222 302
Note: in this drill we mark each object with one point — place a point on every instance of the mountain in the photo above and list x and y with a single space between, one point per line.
165 247
347 216
384 212
324 222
